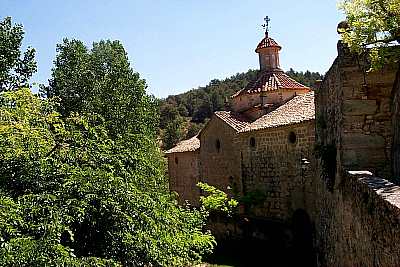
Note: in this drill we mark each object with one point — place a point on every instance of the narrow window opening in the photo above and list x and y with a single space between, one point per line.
292 138
253 142
218 145
176 160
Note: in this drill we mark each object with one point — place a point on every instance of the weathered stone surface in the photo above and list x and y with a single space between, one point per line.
184 174
359 107
357 221
360 140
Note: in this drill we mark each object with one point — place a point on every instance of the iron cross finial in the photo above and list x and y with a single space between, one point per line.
266 25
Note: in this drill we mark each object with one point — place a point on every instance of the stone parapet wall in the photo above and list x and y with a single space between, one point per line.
359 224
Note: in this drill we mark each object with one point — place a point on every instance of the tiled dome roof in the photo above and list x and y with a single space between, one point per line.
267 42
271 81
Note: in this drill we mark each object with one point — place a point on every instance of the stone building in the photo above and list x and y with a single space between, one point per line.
183 166
258 147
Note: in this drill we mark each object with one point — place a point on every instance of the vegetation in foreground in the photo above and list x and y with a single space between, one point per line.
82 179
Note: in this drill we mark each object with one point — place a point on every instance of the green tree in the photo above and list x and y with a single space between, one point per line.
374 24
73 194
194 129
174 132
16 68
101 81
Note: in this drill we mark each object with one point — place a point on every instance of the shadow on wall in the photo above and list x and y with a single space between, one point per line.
303 231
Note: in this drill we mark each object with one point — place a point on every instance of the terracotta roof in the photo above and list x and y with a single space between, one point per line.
188 145
267 42
301 108
235 120
271 81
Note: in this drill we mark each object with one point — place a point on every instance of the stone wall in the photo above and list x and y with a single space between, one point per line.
396 128
353 113
244 102
359 223
275 171
184 174
220 159
356 214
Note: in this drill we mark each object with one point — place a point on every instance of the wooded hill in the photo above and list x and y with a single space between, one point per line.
182 116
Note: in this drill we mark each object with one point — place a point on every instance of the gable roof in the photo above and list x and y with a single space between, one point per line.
299 109
271 81
235 120
191 144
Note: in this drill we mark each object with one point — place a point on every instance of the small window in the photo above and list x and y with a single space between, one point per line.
252 142
218 145
292 138
176 160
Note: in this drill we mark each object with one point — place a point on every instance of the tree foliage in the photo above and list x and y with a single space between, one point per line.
216 200
373 24
16 67
100 80
82 181
73 194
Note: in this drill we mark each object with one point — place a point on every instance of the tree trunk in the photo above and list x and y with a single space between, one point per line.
396 127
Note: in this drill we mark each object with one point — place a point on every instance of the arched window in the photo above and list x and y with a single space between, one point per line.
252 142
292 138
218 145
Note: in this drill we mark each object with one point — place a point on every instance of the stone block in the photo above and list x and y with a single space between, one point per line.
359 107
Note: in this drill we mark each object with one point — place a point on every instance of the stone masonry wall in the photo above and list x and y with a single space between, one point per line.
184 174
219 167
359 223
272 170
356 214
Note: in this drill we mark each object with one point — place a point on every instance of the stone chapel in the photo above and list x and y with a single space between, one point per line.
258 146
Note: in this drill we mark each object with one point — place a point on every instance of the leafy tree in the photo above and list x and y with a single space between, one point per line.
194 129
15 70
374 24
174 132
73 194
101 81
307 78
216 200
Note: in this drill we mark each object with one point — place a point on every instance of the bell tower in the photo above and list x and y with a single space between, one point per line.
268 51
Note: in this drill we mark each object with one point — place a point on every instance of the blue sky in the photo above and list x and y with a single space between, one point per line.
177 45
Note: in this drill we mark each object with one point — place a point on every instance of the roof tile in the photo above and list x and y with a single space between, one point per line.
299 109
188 145
271 81
267 42
235 120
